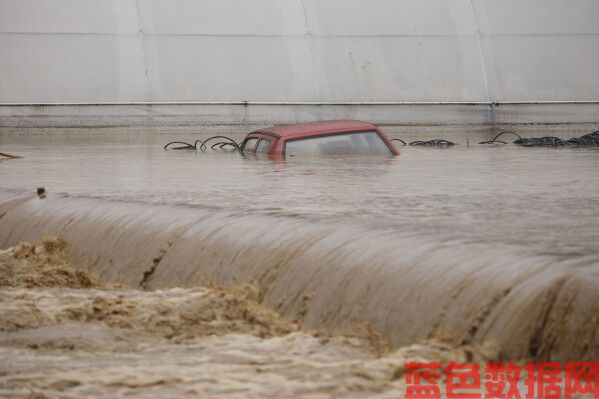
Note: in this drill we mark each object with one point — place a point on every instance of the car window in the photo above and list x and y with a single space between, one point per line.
358 143
249 145
263 146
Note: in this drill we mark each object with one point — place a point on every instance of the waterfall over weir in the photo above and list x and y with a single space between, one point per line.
332 276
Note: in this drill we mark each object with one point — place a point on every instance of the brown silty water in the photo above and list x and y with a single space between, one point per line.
485 248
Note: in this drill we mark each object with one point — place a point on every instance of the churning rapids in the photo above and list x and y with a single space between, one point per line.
183 273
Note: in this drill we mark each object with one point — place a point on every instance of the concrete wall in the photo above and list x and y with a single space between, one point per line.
298 50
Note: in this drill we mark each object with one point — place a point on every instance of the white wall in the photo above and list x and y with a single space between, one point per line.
298 50
540 49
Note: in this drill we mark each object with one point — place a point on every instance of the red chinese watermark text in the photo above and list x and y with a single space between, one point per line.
502 380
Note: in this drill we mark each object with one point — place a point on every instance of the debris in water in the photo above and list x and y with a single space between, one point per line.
10 156
41 192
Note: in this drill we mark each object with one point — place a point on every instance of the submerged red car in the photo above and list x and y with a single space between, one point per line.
327 138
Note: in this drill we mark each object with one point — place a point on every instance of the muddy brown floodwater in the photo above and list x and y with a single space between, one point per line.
66 334
211 274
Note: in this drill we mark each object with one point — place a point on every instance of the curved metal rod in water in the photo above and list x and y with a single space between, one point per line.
184 146
494 139
442 142
222 144
433 143
203 146
428 143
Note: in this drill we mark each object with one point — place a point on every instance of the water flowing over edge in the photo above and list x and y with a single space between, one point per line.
330 276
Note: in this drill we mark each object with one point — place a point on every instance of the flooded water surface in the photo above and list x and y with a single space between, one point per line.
545 200
190 273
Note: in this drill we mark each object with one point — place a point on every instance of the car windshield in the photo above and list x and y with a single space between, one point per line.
357 143
250 144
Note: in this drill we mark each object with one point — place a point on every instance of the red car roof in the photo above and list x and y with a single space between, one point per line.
316 128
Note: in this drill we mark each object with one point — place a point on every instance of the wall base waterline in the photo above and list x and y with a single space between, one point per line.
238 117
